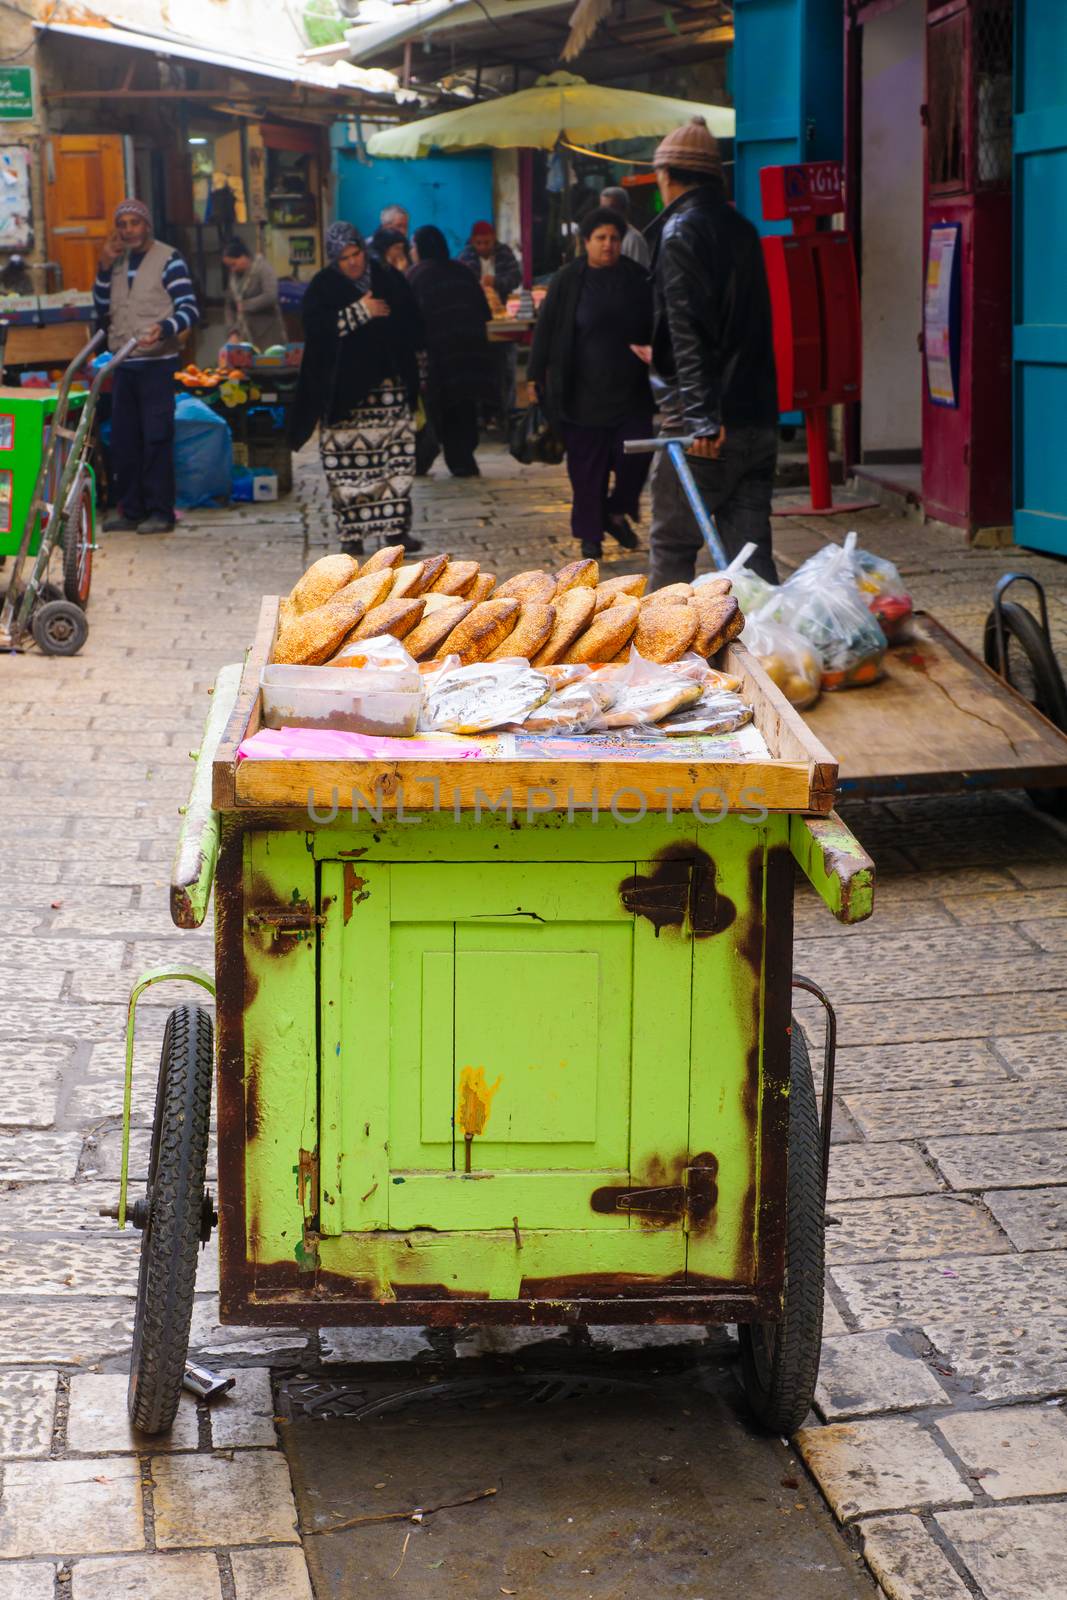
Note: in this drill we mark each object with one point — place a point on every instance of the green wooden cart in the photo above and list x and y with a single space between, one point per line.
500 1042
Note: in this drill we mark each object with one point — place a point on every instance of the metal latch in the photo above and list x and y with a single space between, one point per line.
669 1202
293 919
694 1199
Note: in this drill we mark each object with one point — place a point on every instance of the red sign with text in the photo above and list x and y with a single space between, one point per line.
810 189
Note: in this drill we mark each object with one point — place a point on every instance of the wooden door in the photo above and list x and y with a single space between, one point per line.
85 179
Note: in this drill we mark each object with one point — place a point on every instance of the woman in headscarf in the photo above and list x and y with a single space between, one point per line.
359 382
461 371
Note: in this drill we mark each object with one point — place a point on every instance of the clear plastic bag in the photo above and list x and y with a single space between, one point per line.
480 697
878 581
646 691
381 654
572 709
823 603
717 711
748 589
786 657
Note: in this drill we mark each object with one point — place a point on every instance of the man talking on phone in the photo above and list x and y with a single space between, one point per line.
143 291
712 361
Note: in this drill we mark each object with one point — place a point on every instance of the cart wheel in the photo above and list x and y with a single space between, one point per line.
176 1217
1033 671
59 628
78 549
780 1360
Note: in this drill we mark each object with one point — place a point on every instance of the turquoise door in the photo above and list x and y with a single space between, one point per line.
1040 343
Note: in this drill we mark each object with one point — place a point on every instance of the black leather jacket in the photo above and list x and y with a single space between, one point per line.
712 346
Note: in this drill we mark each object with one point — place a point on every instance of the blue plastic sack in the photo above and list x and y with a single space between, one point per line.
203 455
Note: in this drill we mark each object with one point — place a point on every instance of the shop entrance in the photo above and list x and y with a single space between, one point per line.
891 262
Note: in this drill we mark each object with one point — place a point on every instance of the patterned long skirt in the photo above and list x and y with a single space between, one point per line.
369 461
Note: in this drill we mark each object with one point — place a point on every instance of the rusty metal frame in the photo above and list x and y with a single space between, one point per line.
829 1063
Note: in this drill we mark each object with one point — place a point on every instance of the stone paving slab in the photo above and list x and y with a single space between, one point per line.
182 1576
220 1500
971 1110
1012 1553
863 1374
71 1507
1033 1219
1007 1354
27 1413
890 1069
911 1229
890 1464
908 1562
1015 1452
27 1580
1002 1161
872 1171
910 1293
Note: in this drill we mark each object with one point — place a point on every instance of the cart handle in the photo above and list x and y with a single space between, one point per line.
198 840
676 448
835 864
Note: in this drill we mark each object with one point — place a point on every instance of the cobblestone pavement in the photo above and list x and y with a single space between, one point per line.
940 1439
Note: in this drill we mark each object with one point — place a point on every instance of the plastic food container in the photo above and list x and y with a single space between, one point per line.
353 700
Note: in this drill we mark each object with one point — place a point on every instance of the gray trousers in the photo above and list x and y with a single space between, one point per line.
737 492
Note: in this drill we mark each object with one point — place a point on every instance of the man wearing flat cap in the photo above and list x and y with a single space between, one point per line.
143 291
713 372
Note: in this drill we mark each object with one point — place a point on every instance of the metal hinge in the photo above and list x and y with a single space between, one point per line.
669 1202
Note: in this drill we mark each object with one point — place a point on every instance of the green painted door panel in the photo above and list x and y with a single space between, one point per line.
497 1001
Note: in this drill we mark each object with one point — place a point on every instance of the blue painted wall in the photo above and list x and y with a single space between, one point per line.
1040 290
453 191
788 84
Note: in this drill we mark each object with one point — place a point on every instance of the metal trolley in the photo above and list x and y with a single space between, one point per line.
502 1042
45 438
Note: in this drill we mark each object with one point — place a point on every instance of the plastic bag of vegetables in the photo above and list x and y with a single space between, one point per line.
786 657
823 603
878 581
749 589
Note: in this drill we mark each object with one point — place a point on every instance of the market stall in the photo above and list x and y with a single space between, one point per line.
503 981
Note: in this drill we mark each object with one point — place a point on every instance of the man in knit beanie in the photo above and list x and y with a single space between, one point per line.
713 372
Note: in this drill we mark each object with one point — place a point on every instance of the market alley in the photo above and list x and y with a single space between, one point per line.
939 1444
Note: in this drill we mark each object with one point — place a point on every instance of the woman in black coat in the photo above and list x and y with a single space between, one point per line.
460 372
359 383
593 385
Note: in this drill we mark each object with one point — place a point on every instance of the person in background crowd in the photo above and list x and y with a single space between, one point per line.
461 370
491 261
495 264
713 371
143 291
252 308
397 218
390 247
593 385
359 382
633 244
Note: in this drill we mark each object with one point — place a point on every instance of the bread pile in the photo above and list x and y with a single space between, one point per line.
441 607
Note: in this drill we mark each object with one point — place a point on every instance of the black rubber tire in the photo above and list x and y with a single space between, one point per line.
172 1232
78 549
1032 670
59 628
780 1360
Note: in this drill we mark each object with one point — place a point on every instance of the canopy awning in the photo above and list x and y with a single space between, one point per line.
340 78
561 106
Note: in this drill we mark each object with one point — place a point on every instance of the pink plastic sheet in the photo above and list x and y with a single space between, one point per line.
325 744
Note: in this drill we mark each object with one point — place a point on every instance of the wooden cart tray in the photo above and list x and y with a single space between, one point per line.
939 722
800 774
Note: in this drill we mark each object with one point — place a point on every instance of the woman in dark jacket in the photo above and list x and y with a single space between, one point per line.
593 385
460 368
359 382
